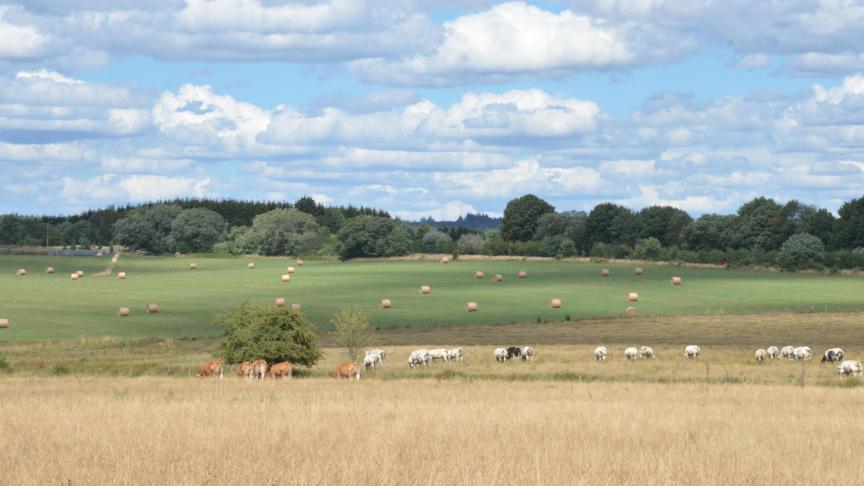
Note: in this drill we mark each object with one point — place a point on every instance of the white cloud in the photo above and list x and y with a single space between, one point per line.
448 211
20 42
138 188
752 62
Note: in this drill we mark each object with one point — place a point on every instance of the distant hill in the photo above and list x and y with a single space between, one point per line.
475 222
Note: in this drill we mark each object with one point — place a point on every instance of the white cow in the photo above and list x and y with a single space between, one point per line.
600 353
439 354
646 352
455 354
786 352
802 353
527 353
833 355
692 351
631 353
418 357
773 352
373 358
760 355
500 354
849 367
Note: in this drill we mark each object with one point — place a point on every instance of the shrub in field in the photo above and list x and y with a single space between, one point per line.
352 330
470 244
649 248
373 236
801 251
270 333
197 230
5 367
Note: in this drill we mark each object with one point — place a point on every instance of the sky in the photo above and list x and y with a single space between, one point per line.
431 108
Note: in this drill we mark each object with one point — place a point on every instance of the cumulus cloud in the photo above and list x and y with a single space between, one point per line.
20 41
138 188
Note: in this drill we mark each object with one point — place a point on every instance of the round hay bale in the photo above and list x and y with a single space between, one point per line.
300 262
99 254
80 273
632 297
290 270
637 271
280 302
152 309
472 307
250 265
425 289
49 270
445 259
123 312
677 281
498 278
631 312
74 276
555 303
193 266
604 272
20 272
479 275
522 274
4 323
385 304
121 275
286 278
296 307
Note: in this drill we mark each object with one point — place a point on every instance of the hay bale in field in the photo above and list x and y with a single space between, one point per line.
99 254
385 304
637 271
296 307
479 275
80 273
74 276
522 274
604 272
152 309
20 272
250 265
286 278
123 312
121 275
300 262
4 323
631 312
445 259
280 302
472 307
555 303
193 266
498 278
677 281
290 270
49 270
425 289
632 297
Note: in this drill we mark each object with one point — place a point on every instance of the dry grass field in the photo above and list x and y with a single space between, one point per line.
396 432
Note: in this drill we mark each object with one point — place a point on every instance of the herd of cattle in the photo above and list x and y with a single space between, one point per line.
260 370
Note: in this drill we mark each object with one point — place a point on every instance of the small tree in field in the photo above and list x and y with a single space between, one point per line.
352 330
269 333
801 252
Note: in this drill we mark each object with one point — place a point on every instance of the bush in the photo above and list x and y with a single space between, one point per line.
557 246
801 251
649 249
470 244
373 236
5 367
352 330
269 333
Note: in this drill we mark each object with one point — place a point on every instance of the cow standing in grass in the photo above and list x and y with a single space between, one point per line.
833 355
600 353
373 358
527 353
631 353
514 352
212 369
802 353
244 369
455 354
646 352
259 369
773 352
282 370
348 371
419 357
439 354
760 355
692 351
500 354
850 368
787 351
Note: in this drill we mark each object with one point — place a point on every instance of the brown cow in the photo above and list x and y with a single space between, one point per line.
259 369
211 369
347 370
282 370
244 369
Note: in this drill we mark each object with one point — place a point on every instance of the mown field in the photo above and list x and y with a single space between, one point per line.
53 307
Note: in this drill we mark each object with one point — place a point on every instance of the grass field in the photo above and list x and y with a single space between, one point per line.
180 431
52 307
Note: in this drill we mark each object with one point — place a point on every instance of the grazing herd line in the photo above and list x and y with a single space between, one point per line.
259 369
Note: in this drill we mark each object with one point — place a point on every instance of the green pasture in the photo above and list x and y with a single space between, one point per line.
51 307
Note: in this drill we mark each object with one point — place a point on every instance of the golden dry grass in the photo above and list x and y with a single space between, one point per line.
317 431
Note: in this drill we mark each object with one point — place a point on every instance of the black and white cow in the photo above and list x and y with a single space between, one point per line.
833 355
514 352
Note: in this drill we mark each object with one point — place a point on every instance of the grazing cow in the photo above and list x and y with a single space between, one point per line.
787 351
527 353
600 353
347 370
631 353
259 369
455 354
282 370
439 354
773 352
212 369
848 367
692 351
378 353
802 353
373 358
646 352
500 354
418 357
514 352
760 355
833 355
244 369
